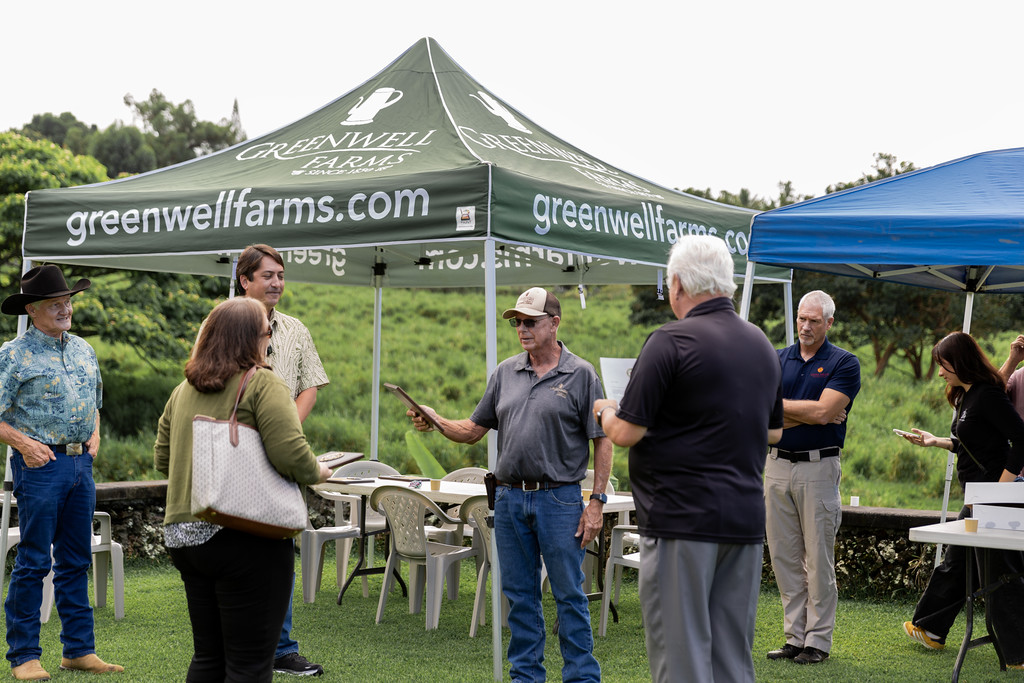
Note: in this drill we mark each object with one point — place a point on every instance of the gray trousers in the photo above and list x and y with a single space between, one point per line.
699 603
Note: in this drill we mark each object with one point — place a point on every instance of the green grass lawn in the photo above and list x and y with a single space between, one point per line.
154 640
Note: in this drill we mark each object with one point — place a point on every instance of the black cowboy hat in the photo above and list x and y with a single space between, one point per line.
42 282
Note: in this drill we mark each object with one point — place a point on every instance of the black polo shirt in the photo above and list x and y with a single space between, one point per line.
707 388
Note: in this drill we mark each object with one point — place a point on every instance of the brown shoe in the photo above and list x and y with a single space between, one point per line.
90 663
31 670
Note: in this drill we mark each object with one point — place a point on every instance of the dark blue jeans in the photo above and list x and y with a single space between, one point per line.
55 507
528 525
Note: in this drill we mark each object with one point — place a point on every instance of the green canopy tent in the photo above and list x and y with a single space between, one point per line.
419 177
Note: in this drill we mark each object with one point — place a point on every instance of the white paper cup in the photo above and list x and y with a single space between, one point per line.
854 501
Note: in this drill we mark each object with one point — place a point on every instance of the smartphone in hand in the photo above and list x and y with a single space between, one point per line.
900 432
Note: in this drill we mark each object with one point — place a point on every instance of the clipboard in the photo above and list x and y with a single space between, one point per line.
335 459
412 405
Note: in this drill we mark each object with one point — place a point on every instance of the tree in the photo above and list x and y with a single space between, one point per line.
123 150
27 164
158 314
175 133
64 130
648 310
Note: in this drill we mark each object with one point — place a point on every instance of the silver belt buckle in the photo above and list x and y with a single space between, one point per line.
535 488
73 449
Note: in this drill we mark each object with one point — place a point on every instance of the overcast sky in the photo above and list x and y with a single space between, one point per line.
720 94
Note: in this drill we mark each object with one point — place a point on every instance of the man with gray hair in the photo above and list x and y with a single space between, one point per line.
702 404
819 383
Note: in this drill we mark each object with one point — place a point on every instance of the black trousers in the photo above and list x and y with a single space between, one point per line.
946 593
238 587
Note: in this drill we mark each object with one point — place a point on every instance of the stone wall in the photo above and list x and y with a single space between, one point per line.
137 514
874 558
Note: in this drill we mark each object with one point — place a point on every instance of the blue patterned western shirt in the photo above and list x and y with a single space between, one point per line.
50 389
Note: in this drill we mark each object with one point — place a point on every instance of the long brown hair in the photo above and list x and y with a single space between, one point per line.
962 355
228 343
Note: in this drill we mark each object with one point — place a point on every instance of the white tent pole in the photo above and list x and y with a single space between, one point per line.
8 475
491 336
378 299
968 312
787 295
968 315
748 281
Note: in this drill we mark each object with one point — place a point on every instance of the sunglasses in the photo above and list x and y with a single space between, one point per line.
528 323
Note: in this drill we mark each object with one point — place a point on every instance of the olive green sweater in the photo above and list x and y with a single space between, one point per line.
266 405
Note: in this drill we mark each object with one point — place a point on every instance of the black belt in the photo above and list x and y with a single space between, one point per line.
67 448
805 456
534 485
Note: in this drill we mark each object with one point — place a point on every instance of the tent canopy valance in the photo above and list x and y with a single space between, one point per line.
414 169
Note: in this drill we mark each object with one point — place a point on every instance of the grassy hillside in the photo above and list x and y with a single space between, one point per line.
433 345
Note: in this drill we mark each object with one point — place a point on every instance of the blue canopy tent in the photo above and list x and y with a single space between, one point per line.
956 226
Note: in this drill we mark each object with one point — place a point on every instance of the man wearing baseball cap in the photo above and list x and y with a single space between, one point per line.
50 395
539 401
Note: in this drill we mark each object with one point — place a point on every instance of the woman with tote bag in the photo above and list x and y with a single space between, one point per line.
237 584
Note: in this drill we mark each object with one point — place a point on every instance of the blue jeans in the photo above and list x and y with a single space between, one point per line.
55 507
285 645
528 525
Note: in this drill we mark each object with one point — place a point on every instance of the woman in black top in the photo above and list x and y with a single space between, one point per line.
988 439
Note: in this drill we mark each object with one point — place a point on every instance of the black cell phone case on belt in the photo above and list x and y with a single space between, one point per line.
489 485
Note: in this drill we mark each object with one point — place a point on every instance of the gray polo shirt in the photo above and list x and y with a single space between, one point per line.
544 425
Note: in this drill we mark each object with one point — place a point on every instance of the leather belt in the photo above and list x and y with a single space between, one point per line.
805 456
534 485
67 448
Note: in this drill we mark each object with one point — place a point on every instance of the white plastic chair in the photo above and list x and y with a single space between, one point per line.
312 555
406 510
314 539
107 555
454 534
475 514
623 536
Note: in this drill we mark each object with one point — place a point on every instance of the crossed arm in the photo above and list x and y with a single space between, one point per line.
829 408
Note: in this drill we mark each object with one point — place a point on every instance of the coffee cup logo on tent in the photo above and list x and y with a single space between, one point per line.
499 110
365 109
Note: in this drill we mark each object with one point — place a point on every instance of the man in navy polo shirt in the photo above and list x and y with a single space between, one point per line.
819 383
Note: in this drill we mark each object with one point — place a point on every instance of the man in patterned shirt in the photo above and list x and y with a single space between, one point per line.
50 395
293 357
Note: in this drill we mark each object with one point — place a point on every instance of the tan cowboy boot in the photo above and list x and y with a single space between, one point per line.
31 670
90 663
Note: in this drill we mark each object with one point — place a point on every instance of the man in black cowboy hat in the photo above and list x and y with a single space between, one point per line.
50 395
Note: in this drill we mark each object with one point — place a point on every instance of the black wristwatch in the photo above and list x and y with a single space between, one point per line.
599 496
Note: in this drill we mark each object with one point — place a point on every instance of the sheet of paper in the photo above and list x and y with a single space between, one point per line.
615 376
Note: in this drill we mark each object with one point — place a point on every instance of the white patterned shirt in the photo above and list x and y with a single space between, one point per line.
293 356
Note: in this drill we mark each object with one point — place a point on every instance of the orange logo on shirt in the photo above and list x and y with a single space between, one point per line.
821 369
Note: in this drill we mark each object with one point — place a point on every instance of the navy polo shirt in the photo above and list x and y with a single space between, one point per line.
830 368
